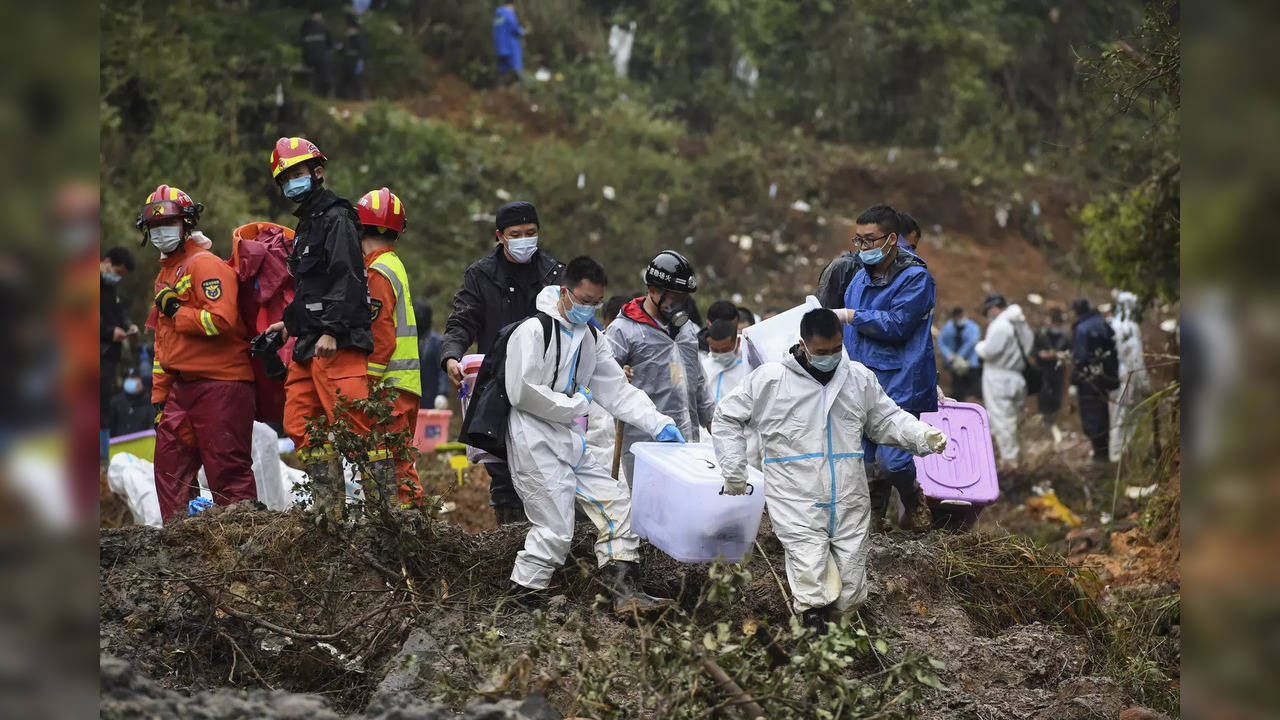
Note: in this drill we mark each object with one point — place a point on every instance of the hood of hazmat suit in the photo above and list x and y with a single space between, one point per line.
815 484
547 451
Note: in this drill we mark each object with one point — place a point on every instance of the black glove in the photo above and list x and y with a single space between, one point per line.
167 301
266 347
158 409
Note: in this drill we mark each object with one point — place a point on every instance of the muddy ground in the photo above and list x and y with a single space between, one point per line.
262 611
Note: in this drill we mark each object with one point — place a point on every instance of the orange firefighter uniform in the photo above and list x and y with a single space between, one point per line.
383 299
202 383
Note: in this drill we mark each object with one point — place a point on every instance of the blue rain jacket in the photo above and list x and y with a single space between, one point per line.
506 38
890 331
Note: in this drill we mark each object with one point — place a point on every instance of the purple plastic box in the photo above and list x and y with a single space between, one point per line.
966 470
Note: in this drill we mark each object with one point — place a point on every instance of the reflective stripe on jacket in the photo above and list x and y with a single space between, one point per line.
395 353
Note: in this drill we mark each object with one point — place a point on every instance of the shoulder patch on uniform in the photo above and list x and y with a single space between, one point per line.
212 288
375 308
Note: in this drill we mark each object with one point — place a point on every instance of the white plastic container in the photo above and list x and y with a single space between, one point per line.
676 504
772 338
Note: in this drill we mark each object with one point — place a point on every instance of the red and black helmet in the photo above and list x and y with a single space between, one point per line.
168 203
291 151
381 208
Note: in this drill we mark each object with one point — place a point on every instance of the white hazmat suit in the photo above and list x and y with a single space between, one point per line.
1135 384
722 381
1004 390
815 484
547 451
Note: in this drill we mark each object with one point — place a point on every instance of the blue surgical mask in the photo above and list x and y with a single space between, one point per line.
132 385
522 249
297 188
873 256
110 278
822 363
581 314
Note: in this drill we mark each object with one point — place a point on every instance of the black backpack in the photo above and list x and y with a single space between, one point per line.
484 426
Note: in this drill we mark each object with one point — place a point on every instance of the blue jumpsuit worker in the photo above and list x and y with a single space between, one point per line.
889 307
506 42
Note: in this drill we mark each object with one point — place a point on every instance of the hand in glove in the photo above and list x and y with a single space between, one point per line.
158 409
167 301
670 433
936 440
734 487
586 392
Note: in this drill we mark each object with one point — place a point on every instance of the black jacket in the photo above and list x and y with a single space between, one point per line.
113 316
835 280
1095 367
491 297
316 41
332 287
131 413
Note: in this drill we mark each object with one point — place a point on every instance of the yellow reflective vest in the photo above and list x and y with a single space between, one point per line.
404 369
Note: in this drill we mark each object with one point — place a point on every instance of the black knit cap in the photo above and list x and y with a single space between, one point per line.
994 300
516 213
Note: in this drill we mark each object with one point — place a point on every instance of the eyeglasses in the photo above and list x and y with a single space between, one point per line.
866 242
593 305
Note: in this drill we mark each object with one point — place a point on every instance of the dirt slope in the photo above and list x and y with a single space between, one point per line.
158 591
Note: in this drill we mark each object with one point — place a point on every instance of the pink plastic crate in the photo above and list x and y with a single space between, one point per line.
966 471
433 429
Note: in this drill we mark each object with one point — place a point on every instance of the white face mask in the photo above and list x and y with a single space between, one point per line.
166 238
522 249
725 359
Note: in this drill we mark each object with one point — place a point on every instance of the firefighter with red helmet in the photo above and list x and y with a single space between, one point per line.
202 389
329 315
394 359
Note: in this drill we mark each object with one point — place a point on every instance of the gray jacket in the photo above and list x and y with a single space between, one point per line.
668 371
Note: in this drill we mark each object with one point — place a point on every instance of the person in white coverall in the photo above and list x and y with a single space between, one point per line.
1004 356
547 452
1135 385
725 366
812 410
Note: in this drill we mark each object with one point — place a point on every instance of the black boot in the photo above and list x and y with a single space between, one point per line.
816 619
622 580
918 516
525 598
879 491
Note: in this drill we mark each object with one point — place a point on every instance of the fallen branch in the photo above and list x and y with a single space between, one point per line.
738 696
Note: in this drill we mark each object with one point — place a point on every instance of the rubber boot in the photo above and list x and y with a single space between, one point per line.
879 491
525 598
385 486
816 619
919 517
328 494
622 580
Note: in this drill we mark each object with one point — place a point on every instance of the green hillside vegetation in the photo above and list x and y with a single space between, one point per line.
194 94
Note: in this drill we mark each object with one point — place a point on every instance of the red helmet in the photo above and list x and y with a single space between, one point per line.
381 208
169 203
291 151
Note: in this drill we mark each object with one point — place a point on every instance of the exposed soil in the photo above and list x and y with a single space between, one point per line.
158 614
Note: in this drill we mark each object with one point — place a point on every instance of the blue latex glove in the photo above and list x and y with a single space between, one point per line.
586 392
670 433
198 505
